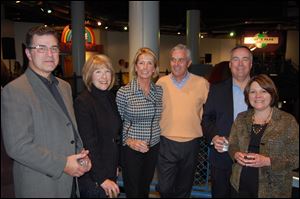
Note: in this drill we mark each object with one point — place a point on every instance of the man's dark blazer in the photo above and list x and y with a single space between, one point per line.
218 119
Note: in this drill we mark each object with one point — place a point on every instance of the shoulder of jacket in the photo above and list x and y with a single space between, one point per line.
282 115
222 86
244 115
84 98
158 87
63 82
21 83
124 88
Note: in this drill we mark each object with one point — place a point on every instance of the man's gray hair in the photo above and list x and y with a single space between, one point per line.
182 47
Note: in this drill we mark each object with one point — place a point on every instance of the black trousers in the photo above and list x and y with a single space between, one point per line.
242 194
90 189
138 171
176 167
220 182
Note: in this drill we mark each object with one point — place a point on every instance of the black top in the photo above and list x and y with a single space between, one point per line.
99 125
249 176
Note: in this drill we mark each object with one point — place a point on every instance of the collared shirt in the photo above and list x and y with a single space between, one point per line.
239 104
182 82
140 113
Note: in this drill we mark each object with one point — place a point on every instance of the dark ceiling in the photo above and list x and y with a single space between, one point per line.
215 16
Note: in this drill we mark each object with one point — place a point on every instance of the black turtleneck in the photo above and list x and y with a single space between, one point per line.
99 125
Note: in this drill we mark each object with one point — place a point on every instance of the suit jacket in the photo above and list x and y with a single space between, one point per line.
217 120
38 136
280 142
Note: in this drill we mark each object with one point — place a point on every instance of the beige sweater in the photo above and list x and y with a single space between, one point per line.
183 108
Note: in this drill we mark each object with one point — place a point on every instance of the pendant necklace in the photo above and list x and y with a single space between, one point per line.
257 128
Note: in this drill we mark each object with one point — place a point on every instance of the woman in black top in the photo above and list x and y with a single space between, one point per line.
99 126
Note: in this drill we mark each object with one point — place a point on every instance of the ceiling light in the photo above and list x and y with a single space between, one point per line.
178 33
231 34
99 23
18 1
49 11
125 28
106 27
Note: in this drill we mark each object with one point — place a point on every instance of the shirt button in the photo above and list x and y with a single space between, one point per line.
72 142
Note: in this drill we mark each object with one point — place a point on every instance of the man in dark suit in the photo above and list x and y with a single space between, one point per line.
225 101
39 127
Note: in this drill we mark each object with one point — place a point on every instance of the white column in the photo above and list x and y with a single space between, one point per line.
192 34
78 39
143 27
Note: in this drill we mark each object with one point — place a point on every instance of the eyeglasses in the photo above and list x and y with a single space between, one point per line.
44 49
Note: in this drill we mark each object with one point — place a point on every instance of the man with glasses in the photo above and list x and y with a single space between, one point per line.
183 97
39 127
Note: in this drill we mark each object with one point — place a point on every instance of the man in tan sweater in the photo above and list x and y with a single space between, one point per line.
183 97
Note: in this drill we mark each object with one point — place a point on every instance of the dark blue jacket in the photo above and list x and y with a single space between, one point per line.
218 119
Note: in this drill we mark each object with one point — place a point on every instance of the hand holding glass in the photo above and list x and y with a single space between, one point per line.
83 162
225 144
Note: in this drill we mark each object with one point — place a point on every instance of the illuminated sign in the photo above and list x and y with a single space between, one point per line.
261 40
90 42
66 35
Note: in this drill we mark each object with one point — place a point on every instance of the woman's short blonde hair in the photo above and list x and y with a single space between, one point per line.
93 63
144 51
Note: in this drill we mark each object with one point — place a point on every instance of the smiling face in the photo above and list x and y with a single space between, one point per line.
259 98
101 78
145 66
43 63
240 63
179 63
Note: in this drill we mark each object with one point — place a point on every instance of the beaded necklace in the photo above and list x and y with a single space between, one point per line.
257 128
